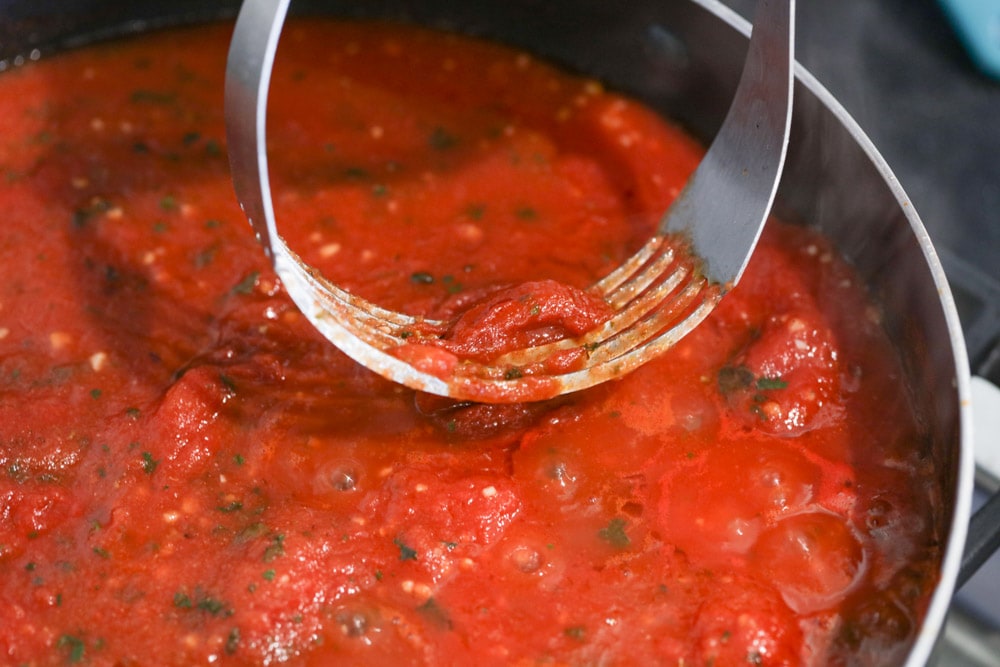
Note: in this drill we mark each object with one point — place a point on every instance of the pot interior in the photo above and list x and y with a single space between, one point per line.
682 59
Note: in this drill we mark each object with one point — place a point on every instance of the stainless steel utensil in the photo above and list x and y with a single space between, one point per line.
657 296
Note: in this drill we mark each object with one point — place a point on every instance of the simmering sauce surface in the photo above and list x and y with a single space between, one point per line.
191 474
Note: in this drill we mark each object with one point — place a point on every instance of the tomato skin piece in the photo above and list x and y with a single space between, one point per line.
524 316
466 420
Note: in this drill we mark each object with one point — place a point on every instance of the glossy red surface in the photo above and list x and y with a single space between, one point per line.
191 474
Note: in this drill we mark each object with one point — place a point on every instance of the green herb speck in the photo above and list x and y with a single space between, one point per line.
440 139
436 614
526 213
246 285
770 383
356 173
405 552
233 641
74 646
731 379
228 383
152 97
149 463
213 606
275 549
614 533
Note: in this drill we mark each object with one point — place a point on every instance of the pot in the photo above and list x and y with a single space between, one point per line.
683 58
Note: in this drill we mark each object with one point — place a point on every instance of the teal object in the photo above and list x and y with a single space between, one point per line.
978 25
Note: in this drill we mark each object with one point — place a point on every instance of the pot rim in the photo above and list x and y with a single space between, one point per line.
961 494
937 611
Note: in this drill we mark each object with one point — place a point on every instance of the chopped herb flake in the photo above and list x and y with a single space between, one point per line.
213 606
433 612
441 139
768 383
153 97
614 534
733 378
74 646
526 213
246 285
228 383
149 463
233 641
405 552
421 278
275 549
202 602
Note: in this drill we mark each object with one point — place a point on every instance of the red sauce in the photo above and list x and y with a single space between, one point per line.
190 473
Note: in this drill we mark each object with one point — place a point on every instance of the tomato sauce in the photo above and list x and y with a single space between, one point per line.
191 474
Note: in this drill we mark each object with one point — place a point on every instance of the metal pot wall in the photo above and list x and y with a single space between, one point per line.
683 58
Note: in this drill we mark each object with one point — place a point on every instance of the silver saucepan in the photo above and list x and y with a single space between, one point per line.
683 57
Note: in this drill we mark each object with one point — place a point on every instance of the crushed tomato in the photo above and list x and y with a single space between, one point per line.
190 474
